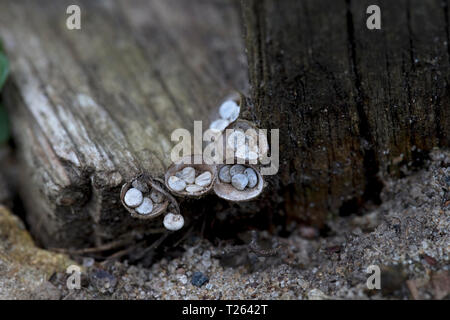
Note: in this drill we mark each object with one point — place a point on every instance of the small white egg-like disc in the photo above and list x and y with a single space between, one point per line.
146 207
229 110
239 181
236 169
192 188
176 183
252 177
204 179
187 174
219 124
133 198
173 222
224 174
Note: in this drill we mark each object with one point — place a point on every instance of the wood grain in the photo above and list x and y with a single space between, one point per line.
352 104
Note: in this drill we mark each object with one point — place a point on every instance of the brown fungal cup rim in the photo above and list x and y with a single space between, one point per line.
228 192
158 208
180 165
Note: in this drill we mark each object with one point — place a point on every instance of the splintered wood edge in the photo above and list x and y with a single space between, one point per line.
228 192
180 165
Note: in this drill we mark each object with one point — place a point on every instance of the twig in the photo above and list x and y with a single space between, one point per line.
104 247
252 247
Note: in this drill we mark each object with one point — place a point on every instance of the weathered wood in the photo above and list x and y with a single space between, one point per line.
91 108
351 104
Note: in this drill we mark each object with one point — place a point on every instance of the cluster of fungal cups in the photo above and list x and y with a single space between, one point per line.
147 198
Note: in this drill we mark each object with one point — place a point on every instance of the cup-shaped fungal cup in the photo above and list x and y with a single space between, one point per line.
240 185
244 141
144 197
190 177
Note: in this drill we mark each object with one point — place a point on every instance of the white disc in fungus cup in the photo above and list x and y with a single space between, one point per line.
146 207
176 184
227 113
229 110
133 198
204 179
224 174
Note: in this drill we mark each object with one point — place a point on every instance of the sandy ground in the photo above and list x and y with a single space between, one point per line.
407 237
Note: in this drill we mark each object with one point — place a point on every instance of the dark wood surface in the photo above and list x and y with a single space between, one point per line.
352 104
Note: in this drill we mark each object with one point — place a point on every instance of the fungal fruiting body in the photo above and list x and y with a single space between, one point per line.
224 174
187 174
240 176
133 198
251 176
190 180
219 124
173 222
236 169
145 207
244 145
143 198
176 183
203 179
192 188
228 111
190 177
246 141
238 182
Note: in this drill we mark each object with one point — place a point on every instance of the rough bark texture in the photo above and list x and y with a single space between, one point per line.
351 103
91 108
